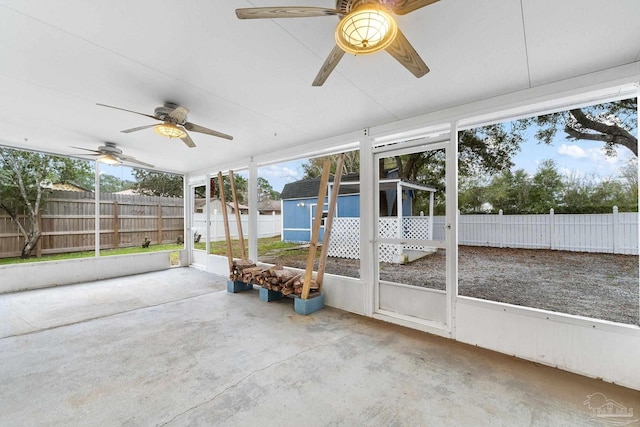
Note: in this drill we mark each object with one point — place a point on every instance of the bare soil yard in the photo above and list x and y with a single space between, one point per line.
603 286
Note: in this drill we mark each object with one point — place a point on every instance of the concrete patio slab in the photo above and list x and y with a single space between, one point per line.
210 357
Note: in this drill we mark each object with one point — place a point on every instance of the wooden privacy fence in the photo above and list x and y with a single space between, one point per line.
68 223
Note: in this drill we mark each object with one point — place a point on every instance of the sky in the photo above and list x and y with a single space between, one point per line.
282 173
578 159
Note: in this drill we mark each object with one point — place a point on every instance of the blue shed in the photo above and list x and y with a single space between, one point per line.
300 199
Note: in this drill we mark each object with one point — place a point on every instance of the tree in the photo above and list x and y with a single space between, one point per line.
241 184
510 192
547 188
23 178
488 150
629 175
610 123
266 191
351 165
151 183
112 184
472 195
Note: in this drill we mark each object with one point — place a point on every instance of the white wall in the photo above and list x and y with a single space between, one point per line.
593 348
34 275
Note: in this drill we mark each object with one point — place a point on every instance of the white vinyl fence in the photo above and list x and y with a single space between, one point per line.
268 225
616 232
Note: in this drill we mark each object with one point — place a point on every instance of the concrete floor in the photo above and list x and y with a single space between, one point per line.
174 348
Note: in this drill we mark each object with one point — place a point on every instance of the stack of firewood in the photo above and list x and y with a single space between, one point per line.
274 278
239 265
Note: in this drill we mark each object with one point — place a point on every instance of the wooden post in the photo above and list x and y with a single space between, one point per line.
243 252
315 232
329 222
616 231
160 239
39 242
116 225
225 220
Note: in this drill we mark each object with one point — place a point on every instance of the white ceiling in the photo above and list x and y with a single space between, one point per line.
252 78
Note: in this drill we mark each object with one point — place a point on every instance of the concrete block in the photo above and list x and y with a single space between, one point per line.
308 306
235 286
268 295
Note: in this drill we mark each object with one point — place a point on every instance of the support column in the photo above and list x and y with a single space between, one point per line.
451 226
253 210
97 210
368 213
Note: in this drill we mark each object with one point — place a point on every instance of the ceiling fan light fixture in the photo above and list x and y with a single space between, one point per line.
109 159
169 130
368 29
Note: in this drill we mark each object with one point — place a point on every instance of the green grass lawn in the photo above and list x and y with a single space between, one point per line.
265 245
106 252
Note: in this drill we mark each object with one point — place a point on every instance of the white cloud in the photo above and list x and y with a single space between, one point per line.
275 171
594 154
572 151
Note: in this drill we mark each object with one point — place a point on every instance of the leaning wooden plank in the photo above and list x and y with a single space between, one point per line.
315 233
329 222
236 208
225 220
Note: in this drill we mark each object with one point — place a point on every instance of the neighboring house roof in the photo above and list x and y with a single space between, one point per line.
240 206
129 192
269 205
68 186
309 187
199 203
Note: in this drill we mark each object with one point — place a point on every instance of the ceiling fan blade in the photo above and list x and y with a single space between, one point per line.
402 7
86 149
188 141
179 114
129 111
402 51
201 129
329 64
134 160
284 12
138 128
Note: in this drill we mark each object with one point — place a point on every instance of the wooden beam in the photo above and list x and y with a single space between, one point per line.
329 222
116 224
225 220
315 232
160 239
238 217
39 242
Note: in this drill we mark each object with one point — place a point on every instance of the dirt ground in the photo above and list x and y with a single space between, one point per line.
603 286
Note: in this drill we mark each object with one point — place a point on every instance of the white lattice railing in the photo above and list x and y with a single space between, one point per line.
345 236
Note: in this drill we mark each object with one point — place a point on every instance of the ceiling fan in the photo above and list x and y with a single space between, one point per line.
366 26
112 155
175 124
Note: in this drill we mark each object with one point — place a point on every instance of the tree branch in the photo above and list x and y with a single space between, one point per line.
14 216
610 134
